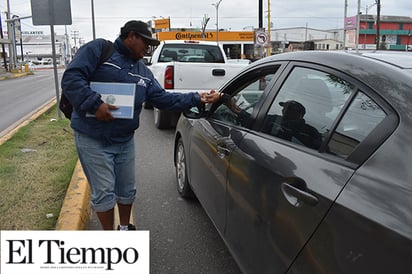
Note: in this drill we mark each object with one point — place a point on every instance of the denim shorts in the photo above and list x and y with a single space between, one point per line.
110 170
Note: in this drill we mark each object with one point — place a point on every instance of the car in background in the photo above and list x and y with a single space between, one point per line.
304 165
184 66
239 61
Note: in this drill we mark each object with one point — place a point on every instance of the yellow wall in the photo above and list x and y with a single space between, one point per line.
241 36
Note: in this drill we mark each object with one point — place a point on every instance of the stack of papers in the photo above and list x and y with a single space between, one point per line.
117 94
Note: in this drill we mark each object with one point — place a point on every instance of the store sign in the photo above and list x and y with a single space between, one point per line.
32 33
162 24
208 35
350 22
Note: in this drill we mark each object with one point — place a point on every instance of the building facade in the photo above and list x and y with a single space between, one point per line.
394 32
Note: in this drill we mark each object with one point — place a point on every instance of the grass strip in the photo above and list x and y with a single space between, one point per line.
36 166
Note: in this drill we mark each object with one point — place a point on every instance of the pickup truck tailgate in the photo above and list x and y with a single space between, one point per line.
207 76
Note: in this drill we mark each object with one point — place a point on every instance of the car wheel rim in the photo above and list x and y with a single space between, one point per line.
180 168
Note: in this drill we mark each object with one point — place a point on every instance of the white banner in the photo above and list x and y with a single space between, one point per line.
74 252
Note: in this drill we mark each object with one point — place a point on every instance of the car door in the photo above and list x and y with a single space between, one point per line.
364 231
281 180
214 139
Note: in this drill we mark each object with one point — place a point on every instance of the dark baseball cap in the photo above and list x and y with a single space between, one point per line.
293 106
142 29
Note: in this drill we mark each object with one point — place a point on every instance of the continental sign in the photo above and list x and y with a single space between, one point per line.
209 35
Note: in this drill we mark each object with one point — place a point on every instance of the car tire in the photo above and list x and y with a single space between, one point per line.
183 186
161 119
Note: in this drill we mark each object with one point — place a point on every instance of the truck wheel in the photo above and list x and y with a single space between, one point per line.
161 119
183 186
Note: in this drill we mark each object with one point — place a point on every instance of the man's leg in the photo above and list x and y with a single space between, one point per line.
124 214
125 182
98 166
106 218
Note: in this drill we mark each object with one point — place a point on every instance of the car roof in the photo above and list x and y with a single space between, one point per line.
189 42
382 72
401 59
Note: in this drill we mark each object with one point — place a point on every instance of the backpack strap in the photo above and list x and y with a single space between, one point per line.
106 53
64 104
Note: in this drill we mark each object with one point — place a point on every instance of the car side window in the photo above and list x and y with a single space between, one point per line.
306 106
238 107
362 116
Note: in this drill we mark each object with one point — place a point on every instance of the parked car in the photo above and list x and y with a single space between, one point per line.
304 165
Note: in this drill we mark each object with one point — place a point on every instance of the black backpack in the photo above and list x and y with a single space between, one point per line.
64 105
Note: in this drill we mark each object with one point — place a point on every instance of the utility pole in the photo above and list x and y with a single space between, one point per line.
18 35
68 49
10 33
269 44
93 25
358 14
367 8
344 27
378 21
75 36
3 51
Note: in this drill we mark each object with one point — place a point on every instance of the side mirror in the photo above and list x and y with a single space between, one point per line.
195 113
146 61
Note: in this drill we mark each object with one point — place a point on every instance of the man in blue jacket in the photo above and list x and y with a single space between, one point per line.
105 145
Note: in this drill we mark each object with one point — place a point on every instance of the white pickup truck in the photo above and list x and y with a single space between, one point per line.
187 66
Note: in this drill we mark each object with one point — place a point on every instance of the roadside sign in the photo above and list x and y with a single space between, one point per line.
51 12
261 38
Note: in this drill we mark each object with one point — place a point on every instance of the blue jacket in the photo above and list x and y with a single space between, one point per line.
118 68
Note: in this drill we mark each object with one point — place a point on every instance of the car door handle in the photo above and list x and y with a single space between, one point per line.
218 72
297 197
222 151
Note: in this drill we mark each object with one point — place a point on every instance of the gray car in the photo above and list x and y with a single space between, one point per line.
304 166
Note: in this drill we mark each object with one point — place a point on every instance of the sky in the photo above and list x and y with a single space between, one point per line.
234 15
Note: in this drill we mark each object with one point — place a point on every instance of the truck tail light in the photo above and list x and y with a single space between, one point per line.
169 82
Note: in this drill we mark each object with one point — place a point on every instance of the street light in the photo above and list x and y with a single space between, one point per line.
217 20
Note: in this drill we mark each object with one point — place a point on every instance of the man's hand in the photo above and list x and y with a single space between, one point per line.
211 97
103 112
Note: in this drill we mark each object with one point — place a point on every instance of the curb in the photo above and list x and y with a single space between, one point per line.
13 75
75 211
25 121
